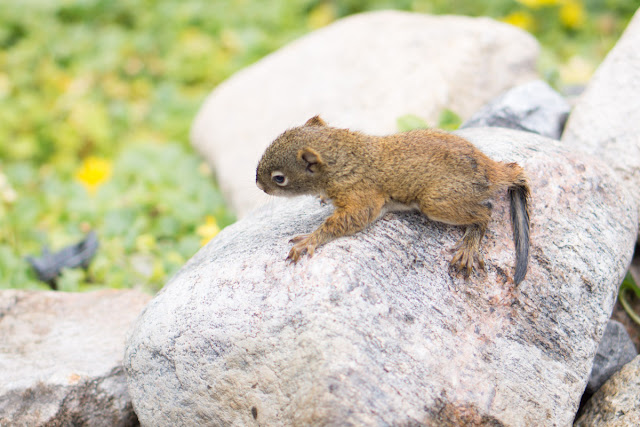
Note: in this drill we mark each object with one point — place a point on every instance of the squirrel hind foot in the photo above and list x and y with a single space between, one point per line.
467 252
465 260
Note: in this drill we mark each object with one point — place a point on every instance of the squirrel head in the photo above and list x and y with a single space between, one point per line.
290 166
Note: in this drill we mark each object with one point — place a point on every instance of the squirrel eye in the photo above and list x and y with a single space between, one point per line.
279 178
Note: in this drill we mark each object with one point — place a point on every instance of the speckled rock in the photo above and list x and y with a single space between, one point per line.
361 72
374 330
606 119
61 357
614 351
532 107
616 403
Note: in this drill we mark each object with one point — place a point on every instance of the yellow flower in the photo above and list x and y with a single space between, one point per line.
93 172
145 243
572 14
535 4
321 15
523 20
208 230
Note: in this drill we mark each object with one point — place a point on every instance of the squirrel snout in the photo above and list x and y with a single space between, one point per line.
260 186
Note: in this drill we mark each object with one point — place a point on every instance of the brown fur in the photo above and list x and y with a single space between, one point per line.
443 175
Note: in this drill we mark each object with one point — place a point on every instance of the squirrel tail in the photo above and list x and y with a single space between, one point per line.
519 196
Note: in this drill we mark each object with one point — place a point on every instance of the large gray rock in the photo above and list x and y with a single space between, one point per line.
532 107
374 330
61 357
606 119
616 403
362 72
614 351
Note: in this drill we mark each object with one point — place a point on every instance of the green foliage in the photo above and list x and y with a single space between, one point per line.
92 76
146 216
410 122
629 285
449 120
97 96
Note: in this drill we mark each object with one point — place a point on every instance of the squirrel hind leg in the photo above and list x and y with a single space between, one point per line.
468 250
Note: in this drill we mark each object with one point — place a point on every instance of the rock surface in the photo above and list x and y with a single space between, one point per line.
614 351
532 107
616 403
374 330
362 72
61 357
606 119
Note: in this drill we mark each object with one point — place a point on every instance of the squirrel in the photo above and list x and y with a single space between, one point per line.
441 174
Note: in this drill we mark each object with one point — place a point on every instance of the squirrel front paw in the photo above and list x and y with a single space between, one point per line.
302 245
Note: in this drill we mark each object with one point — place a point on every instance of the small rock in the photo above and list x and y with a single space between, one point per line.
374 330
615 404
362 72
572 93
49 265
620 315
606 119
61 357
614 351
532 107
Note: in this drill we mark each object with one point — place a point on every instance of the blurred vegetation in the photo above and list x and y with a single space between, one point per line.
97 96
629 286
448 120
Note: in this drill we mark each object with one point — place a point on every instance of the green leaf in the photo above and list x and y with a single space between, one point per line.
449 120
629 285
410 122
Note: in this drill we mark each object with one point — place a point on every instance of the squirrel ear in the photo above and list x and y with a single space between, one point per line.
315 121
310 158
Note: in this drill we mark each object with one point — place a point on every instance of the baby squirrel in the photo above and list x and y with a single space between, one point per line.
443 175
